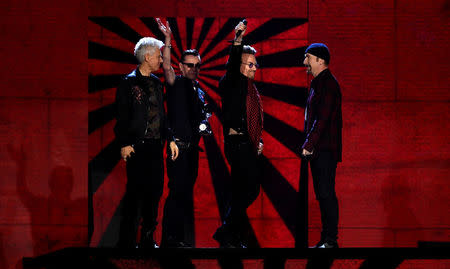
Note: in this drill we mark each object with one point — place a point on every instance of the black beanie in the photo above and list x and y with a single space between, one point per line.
320 50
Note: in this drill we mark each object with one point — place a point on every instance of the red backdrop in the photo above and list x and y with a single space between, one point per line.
390 57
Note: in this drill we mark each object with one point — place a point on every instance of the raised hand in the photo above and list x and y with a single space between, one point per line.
164 29
240 27
169 73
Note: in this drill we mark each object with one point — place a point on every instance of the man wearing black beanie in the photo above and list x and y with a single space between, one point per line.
323 138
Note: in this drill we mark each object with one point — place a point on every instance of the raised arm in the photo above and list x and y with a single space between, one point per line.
169 73
234 61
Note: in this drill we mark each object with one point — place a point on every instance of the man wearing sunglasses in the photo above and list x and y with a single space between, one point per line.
242 130
185 112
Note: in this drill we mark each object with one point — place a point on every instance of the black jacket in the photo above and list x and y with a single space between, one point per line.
233 87
185 108
132 106
323 125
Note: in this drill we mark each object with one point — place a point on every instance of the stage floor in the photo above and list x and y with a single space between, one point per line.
429 257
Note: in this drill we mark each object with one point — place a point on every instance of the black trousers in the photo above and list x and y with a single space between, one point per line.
145 181
245 185
323 169
178 221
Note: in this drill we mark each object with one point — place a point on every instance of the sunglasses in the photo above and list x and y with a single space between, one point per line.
251 65
191 65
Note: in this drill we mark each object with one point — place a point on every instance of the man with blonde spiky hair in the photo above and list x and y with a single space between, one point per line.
141 132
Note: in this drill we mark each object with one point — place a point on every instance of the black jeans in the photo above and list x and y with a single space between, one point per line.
178 222
245 185
323 169
145 180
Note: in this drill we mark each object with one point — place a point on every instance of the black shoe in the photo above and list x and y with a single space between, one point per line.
220 236
147 245
225 241
176 244
227 238
220 233
326 244
147 241
242 245
231 243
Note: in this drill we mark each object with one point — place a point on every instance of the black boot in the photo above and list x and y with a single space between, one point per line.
325 244
147 241
227 238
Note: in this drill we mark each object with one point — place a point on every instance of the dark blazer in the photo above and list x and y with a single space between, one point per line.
185 108
233 87
323 124
132 108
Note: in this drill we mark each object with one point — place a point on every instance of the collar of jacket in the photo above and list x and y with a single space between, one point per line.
137 74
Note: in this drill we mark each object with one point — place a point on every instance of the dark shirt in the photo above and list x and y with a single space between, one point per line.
154 99
323 119
234 86
185 108
140 109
